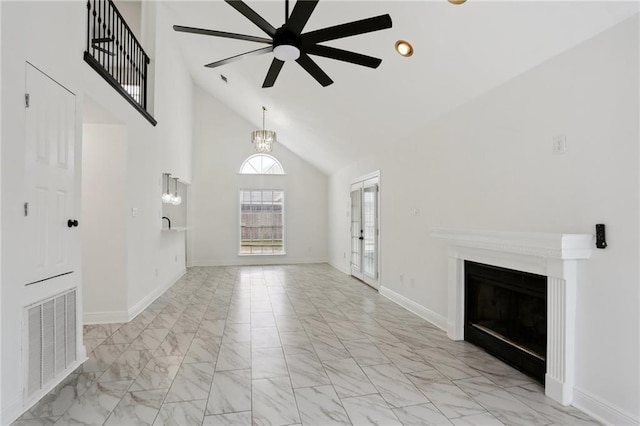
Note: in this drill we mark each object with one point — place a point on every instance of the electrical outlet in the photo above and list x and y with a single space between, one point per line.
176 259
401 278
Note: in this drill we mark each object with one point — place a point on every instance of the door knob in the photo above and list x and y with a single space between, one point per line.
71 223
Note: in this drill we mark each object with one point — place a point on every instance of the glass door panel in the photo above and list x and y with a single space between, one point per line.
370 234
356 233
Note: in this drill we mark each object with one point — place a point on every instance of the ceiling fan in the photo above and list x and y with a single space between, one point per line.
288 43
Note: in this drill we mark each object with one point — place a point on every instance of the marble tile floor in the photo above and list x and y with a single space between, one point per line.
287 345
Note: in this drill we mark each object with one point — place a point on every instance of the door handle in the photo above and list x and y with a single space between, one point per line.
361 238
72 223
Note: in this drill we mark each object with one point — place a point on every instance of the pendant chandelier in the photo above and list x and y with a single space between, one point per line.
263 139
168 197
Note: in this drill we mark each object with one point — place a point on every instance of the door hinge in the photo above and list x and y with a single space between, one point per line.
26 100
26 209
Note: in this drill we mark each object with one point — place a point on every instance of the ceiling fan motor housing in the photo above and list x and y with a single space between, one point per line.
286 45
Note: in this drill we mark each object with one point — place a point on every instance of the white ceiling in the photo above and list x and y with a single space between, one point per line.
461 52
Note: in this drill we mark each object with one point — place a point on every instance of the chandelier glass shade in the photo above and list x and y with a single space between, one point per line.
263 139
167 197
177 200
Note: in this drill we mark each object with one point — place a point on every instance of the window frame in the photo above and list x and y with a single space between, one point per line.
240 193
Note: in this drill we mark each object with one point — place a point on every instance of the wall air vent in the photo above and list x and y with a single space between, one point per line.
50 340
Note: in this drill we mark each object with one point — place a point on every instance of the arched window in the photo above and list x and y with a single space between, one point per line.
261 164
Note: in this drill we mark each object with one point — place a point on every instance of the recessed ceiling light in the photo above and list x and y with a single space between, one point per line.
404 48
457 1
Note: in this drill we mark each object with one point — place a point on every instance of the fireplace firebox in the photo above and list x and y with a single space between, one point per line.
506 314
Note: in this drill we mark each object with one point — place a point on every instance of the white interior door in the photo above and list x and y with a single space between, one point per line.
51 235
365 230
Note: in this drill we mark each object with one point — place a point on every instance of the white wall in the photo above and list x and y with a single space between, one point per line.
221 144
489 165
131 11
104 215
32 31
1 133
174 101
156 259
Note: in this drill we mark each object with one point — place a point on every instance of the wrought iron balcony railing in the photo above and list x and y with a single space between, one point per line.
115 53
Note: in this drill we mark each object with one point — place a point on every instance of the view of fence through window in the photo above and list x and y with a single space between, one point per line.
261 222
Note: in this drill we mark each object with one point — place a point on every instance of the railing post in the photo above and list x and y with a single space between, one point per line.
144 82
88 24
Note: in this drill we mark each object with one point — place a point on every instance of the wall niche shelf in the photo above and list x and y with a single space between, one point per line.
175 229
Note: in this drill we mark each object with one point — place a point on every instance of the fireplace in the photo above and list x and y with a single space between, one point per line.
557 257
506 314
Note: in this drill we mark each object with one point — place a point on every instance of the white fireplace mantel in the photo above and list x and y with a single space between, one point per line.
555 256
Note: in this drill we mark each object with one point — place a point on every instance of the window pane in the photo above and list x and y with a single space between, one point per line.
261 222
262 164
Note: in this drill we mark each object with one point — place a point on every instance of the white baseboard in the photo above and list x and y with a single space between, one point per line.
258 260
602 410
424 313
126 316
151 297
107 317
340 268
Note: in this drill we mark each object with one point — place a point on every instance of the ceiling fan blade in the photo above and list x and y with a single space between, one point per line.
347 30
312 68
344 55
192 30
300 15
251 15
272 74
256 52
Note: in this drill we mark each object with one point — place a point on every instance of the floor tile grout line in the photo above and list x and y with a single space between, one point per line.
339 295
179 367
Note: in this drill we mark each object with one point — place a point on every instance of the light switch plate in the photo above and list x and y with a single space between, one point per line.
559 144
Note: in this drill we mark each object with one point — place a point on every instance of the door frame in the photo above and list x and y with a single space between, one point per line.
375 283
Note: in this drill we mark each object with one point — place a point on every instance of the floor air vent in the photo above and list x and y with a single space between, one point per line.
51 340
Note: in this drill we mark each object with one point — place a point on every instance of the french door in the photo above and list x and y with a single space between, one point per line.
364 230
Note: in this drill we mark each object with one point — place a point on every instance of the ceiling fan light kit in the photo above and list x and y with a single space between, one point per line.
288 43
286 52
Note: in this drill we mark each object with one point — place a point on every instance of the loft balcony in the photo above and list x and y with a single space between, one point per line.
114 52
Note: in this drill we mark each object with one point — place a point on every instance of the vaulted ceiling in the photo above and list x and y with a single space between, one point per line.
461 52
